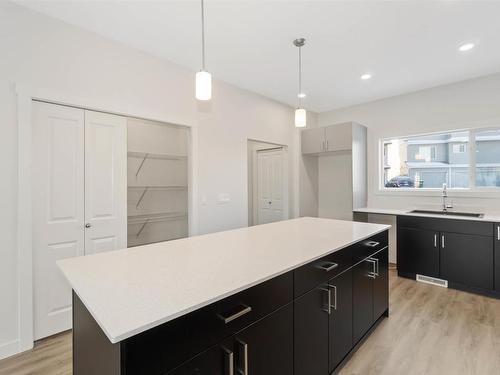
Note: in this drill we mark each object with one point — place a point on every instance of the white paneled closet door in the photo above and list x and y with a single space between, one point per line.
270 185
79 181
105 182
58 210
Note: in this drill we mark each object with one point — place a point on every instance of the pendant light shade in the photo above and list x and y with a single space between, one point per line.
203 85
300 118
203 78
300 113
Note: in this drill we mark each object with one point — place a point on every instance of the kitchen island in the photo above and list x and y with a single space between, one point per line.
296 296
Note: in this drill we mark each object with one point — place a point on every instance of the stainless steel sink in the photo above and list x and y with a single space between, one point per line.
447 213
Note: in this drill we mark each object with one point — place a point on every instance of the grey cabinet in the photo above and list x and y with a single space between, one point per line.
313 141
339 137
497 257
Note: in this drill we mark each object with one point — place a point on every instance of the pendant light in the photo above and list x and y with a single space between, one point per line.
203 78
300 113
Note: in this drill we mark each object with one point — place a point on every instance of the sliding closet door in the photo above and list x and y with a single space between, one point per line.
58 210
105 182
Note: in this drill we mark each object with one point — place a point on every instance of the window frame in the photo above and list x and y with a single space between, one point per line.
470 191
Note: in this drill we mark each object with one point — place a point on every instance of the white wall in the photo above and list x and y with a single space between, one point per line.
472 103
48 55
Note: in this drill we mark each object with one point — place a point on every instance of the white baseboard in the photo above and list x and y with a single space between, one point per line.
9 349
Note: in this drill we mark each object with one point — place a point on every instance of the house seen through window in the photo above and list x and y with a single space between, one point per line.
430 161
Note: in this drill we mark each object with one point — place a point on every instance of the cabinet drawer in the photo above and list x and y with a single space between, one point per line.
312 274
160 349
480 228
370 246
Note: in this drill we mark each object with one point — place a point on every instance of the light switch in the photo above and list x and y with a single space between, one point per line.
223 198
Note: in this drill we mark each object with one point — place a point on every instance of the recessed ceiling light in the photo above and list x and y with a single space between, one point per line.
466 47
366 76
301 95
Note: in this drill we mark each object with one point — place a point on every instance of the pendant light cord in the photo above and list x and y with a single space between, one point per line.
203 35
300 76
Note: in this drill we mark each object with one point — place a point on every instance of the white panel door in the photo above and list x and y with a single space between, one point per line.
270 185
58 210
105 182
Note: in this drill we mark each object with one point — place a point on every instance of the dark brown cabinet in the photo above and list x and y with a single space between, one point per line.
265 347
464 253
340 319
311 332
467 260
418 252
369 299
497 257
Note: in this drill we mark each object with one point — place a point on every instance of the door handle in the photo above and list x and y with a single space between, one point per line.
372 243
229 361
88 225
326 145
334 287
435 240
227 319
442 241
373 274
323 147
328 308
242 367
498 232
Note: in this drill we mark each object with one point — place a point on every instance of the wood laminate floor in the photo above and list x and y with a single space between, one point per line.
430 331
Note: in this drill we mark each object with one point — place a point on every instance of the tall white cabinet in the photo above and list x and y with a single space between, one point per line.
337 153
79 198
157 182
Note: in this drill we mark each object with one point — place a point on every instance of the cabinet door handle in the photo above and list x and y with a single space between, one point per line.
435 240
326 145
227 319
498 232
373 274
372 243
328 306
229 362
327 266
334 287
442 241
242 367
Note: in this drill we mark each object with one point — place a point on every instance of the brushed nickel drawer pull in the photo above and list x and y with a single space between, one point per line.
242 368
229 365
227 319
328 266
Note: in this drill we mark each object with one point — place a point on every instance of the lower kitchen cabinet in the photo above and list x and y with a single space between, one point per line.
369 299
467 260
418 252
311 332
340 324
381 284
497 257
266 347
362 299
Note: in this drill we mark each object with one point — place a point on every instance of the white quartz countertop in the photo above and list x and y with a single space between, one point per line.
132 290
391 211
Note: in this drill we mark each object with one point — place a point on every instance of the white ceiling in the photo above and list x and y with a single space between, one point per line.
407 46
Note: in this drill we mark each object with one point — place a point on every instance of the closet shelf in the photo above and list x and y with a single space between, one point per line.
159 216
153 155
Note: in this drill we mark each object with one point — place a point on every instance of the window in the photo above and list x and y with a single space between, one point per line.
487 158
429 161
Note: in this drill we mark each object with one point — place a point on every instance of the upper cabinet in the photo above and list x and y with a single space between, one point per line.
340 137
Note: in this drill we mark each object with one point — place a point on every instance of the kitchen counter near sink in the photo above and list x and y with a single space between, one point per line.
400 212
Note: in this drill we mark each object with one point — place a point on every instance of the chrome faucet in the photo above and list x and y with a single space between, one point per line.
445 198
